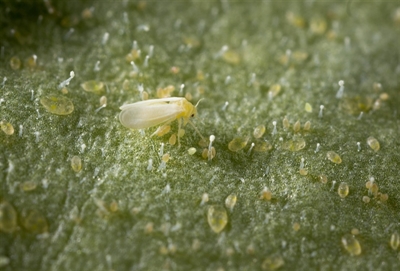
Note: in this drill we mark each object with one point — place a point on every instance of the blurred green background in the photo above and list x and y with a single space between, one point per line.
253 62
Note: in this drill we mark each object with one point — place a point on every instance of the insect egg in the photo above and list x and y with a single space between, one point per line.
285 123
165 92
208 154
15 63
334 157
217 218
58 105
274 91
373 143
262 146
259 131
35 222
374 189
113 206
103 103
370 182
351 244
172 139
31 61
76 163
298 143
273 262
366 199
165 157
394 241
343 190
308 108
188 96
238 143
384 96
149 228
323 179
203 142
296 126
383 197
8 217
93 86
307 126
296 226
230 201
266 194
7 127
181 132
28 186
303 171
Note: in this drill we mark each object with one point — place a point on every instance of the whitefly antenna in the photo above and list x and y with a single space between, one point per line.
198 102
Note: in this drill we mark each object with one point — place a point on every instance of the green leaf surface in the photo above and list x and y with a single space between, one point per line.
253 62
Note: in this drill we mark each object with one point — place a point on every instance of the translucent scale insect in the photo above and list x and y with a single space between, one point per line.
150 113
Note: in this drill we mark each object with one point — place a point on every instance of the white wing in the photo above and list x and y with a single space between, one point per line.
149 113
153 101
